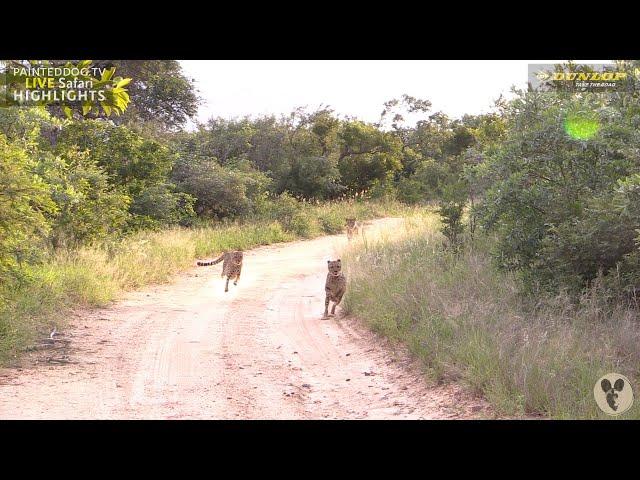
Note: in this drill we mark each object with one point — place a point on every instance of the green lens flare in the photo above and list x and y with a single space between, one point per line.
581 126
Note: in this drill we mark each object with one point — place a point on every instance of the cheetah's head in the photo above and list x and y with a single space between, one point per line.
237 257
334 267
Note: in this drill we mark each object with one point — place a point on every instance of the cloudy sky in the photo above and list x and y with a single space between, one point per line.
235 88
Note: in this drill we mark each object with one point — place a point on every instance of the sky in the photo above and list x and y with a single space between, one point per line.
359 88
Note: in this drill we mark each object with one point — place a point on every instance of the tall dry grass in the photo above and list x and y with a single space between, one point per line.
468 322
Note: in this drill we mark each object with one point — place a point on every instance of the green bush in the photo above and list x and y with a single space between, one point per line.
555 194
313 177
278 207
219 191
89 208
301 224
410 191
131 160
331 222
159 205
600 241
468 322
452 227
25 205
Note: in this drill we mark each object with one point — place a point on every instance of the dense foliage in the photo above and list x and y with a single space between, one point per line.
561 189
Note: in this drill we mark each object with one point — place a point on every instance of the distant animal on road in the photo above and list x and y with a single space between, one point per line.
353 227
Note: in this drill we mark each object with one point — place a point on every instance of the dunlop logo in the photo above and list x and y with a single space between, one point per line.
594 78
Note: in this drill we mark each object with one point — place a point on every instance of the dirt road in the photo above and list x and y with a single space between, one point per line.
187 350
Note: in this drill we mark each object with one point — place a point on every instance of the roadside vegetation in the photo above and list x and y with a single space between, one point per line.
467 321
524 283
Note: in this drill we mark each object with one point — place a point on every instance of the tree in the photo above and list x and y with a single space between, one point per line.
553 183
220 191
396 111
367 155
30 128
132 161
298 152
160 93
24 205
313 177
426 182
160 205
89 208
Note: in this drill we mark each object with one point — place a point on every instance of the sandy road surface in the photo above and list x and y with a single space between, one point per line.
261 351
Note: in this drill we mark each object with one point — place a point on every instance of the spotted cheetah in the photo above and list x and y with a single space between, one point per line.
231 266
335 286
353 227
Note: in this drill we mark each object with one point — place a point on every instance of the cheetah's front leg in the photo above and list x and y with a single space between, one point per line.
338 299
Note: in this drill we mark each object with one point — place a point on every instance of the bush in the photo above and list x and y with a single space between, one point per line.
89 208
468 322
602 240
313 178
425 184
220 191
25 205
29 128
369 156
452 227
410 191
301 224
555 192
281 207
159 206
131 160
382 190
331 222
292 214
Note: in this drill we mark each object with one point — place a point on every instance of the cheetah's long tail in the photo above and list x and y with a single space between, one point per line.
210 262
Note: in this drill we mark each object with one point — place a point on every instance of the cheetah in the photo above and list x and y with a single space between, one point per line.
335 286
231 266
353 227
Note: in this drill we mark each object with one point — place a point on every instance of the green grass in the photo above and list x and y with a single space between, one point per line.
468 322
94 276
